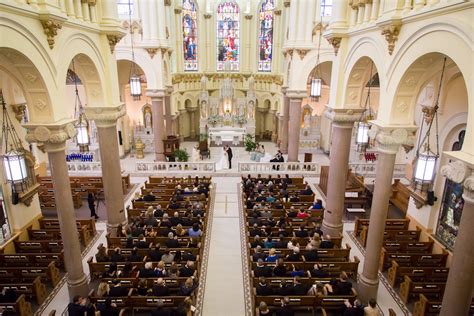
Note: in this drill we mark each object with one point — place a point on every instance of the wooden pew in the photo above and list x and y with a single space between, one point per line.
20 307
38 246
408 246
430 289
298 303
49 273
54 224
336 254
140 302
54 234
144 251
31 259
412 259
400 195
390 224
393 235
429 307
35 289
302 241
396 273
113 242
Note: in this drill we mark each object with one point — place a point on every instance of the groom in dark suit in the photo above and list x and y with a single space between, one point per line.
229 156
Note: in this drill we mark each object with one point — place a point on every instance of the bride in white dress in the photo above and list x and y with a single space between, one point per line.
223 163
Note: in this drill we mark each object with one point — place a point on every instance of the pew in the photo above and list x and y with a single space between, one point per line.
38 246
49 273
35 289
412 259
54 224
336 254
393 235
113 242
54 234
20 307
31 259
396 273
430 307
408 246
430 289
400 195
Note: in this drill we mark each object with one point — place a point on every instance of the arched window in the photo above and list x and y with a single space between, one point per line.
190 35
451 205
265 37
228 35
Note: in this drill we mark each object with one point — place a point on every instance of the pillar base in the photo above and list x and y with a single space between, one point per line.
78 287
331 229
367 288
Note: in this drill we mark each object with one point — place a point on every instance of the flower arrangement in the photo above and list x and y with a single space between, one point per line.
240 119
213 120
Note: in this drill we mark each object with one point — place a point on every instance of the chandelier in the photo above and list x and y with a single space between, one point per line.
14 154
316 81
135 81
82 124
363 126
426 158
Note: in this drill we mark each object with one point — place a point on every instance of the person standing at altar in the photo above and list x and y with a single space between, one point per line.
229 156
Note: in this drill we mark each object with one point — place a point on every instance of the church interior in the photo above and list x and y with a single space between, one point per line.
237 157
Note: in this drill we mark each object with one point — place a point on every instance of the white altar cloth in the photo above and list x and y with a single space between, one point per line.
226 134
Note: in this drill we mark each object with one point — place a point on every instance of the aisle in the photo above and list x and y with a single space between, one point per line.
224 292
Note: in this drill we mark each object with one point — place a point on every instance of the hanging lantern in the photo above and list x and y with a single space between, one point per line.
315 92
82 136
135 87
15 166
425 170
362 139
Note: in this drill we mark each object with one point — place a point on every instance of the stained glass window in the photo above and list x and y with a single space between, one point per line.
190 35
228 35
265 37
451 206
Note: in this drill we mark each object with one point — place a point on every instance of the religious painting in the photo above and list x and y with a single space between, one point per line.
265 37
190 35
228 35
147 116
451 206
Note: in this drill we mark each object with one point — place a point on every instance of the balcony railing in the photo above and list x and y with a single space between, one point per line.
185 167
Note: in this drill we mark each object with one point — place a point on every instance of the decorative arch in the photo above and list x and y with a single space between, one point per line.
361 72
265 35
228 36
142 59
190 35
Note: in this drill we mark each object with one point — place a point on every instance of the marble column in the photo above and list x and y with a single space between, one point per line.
388 142
54 136
284 123
168 119
192 121
459 287
294 125
157 100
106 121
342 124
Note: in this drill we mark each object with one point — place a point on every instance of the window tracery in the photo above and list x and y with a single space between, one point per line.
265 37
190 35
228 36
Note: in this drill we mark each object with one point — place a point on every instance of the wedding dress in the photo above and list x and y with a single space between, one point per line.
223 163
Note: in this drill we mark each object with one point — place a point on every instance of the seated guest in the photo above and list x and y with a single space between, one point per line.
263 288
108 308
184 308
175 220
187 270
135 256
117 255
260 198
258 254
172 241
255 231
167 256
147 271
266 213
101 255
301 233
188 287
179 231
298 287
339 287
256 242
280 270
254 220
159 211
285 288
285 309
268 243
292 212
297 272
371 309
148 197
277 204
295 256
294 198
160 309
318 272
263 309
270 198
355 309
317 205
126 271
142 242
287 180
261 270
195 231
281 243
302 214
111 272
117 290
317 230
307 190
160 288
326 243
272 256
317 289
311 255
293 243
155 253
142 288
80 307
151 220
173 204
103 289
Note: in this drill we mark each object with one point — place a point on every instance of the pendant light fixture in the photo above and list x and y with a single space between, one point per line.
135 81
316 81
426 158
82 124
13 155
363 126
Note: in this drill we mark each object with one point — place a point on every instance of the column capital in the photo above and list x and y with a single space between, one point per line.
461 172
390 137
169 91
105 116
296 94
344 117
284 90
155 93
52 135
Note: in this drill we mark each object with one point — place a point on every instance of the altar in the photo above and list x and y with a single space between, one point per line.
220 135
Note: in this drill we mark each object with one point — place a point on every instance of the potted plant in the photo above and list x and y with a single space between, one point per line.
181 155
249 143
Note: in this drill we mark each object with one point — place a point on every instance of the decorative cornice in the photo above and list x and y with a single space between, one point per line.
51 27
391 33
248 16
302 52
105 116
213 76
19 110
296 94
155 93
207 15
92 2
113 39
345 117
178 10
167 2
286 3
52 136
277 11
335 43
152 51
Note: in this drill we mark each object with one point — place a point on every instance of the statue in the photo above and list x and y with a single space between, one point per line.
203 83
250 109
307 121
203 109
147 120
241 110
214 109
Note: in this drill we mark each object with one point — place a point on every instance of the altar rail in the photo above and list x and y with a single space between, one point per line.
284 167
185 167
84 167
368 170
